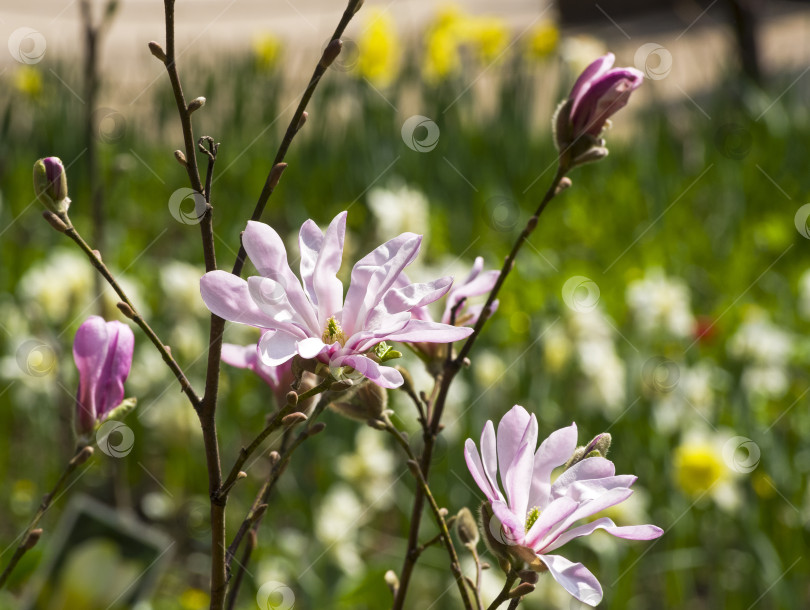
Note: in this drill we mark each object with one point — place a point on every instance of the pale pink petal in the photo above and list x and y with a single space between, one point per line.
553 514
373 275
228 296
587 509
267 253
554 451
239 356
589 468
311 347
509 527
276 347
489 457
419 330
478 266
574 578
271 297
511 429
481 285
477 471
310 241
383 376
328 288
519 473
631 532
415 295
383 330
592 488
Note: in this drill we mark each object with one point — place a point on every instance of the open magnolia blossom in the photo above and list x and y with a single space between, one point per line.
103 354
311 318
279 378
535 516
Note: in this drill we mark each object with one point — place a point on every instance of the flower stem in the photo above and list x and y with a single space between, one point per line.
503 596
445 378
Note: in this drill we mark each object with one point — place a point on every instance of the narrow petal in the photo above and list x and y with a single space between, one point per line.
384 329
89 353
596 69
631 532
593 488
553 452
519 474
328 288
310 241
429 332
587 509
383 376
276 347
481 285
110 390
556 512
271 297
267 253
477 471
239 356
373 275
589 468
228 296
415 295
510 528
574 578
511 429
489 457
311 347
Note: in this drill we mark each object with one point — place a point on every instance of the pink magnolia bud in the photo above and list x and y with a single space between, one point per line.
103 354
50 184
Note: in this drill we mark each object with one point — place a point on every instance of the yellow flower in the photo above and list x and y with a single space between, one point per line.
379 50
194 599
488 36
699 466
267 49
28 81
543 39
444 37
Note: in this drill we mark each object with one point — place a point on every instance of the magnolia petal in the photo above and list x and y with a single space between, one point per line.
228 296
89 353
373 275
574 578
310 241
588 508
388 327
554 513
596 69
267 253
311 348
509 528
276 347
511 430
477 471
630 532
429 332
518 480
328 288
271 297
415 295
489 458
383 376
110 391
590 489
553 452
589 468
239 356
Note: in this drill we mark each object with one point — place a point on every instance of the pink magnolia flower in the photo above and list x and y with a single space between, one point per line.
537 516
103 354
311 318
598 93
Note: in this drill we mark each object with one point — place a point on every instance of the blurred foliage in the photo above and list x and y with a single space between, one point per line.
695 336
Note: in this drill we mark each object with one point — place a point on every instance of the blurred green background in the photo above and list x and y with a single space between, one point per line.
665 298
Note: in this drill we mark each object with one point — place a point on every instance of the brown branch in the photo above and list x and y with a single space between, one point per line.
445 378
31 535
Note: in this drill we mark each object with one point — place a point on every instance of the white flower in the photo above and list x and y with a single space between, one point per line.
766 350
370 468
398 210
661 305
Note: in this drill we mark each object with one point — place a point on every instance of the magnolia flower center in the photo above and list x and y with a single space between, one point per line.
532 517
333 332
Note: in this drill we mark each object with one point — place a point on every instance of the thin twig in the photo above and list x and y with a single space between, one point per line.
295 124
31 536
413 464
435 406
504 594
133 314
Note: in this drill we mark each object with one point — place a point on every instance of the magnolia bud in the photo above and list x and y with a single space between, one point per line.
32 539
196 104
331 52
157 51
392 581
181 158
50 184
366 402
467 528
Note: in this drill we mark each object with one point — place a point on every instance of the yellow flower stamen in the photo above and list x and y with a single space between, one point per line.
333 332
